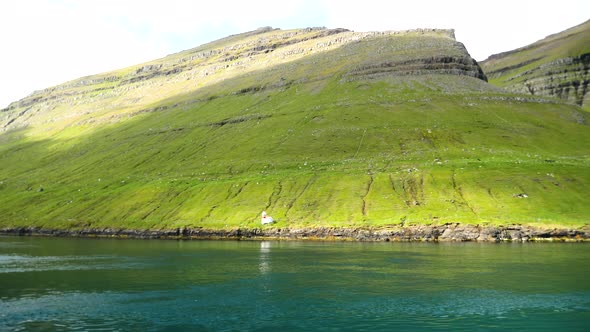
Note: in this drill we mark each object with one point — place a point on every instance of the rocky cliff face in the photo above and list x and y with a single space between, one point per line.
565 78
556 66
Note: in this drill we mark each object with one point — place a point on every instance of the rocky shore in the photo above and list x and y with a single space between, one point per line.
430 233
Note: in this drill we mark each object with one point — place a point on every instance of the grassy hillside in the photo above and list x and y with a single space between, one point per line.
317 127
554 66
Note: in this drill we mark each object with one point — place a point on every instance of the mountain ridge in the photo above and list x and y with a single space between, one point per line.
557 65
196 64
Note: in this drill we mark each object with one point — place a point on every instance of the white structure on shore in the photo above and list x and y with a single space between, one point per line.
266 219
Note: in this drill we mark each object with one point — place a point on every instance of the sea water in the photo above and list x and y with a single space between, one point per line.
151 285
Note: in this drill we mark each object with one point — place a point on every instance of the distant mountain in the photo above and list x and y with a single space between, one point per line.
318 127
555 66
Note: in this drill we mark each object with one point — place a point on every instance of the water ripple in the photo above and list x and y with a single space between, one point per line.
26 263
476 302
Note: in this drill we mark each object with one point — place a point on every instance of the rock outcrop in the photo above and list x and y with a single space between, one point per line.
565 78
442 65
555 66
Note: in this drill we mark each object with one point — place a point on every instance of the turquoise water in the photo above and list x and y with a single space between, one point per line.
147 285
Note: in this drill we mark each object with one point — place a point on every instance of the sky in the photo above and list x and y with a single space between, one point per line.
47 42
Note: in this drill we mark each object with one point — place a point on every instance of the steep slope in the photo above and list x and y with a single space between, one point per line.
555 66
318 127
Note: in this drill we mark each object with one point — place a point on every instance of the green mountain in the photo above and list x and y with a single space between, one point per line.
555 66
317 127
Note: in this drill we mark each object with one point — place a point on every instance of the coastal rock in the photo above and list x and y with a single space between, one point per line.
458 232
445 233
489 234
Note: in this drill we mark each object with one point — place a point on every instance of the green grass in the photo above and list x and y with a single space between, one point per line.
322 150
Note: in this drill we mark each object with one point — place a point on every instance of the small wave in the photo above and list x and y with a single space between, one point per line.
13 245
478 303
26 263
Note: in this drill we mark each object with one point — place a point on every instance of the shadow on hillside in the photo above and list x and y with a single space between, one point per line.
311 73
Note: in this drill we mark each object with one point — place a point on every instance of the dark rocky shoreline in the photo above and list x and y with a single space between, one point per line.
436 233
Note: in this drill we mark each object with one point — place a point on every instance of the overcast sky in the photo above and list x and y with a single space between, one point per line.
48 42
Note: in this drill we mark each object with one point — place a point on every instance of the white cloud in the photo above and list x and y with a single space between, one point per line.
46 42
485 27
49 42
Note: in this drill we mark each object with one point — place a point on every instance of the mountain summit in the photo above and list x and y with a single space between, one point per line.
319 127
235 58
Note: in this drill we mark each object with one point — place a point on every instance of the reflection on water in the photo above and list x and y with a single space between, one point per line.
82 284
264 265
